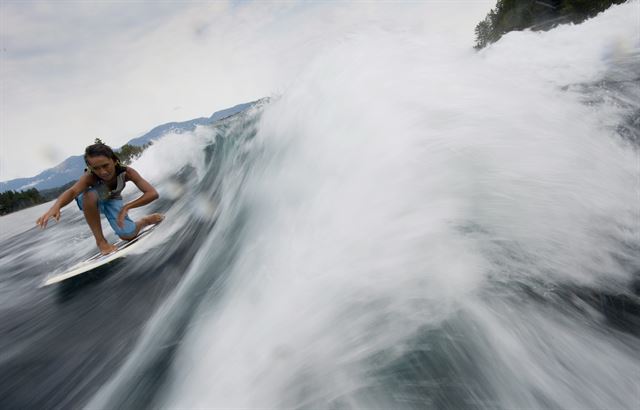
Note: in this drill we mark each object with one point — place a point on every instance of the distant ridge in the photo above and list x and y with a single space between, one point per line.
72 167
187 126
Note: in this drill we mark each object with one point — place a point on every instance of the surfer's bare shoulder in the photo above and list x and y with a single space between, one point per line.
142 184
85 181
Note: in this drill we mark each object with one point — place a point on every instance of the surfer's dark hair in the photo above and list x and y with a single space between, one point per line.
100 149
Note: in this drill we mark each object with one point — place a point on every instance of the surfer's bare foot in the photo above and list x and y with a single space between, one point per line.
142 222
106 248
152 219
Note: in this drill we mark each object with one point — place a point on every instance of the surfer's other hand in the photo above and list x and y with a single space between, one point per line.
51 213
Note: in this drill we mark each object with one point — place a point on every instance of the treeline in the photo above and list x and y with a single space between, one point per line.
128 153
12 201
53 193
510 15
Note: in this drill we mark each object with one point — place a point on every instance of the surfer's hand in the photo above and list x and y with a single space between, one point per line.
51 213
121 215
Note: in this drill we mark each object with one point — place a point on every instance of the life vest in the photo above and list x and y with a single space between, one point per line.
102 188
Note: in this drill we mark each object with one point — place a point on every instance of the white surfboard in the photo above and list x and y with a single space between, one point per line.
123 248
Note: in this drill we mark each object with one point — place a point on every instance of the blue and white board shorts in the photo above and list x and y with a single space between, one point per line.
110 208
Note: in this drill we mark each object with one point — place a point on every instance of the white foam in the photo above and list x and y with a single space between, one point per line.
170 154
378 158
398 179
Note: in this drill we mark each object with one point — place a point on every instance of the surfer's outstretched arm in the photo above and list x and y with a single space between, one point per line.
64 199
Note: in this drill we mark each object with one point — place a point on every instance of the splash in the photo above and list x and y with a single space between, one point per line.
411 226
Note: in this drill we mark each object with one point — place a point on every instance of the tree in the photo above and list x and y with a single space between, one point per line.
128 153
98 141
512 15
11 201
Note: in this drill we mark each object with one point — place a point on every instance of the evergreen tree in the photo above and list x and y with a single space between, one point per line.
510 15
128 153
11 201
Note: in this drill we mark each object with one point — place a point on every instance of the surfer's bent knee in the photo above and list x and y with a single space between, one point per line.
91 196
128 232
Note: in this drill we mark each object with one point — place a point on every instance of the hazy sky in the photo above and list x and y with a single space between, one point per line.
72 71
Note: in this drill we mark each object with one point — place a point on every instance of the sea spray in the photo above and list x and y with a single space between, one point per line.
412 227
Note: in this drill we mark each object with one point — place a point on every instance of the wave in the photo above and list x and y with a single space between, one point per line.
408 226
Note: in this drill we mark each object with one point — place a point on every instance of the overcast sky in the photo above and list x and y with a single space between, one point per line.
72 71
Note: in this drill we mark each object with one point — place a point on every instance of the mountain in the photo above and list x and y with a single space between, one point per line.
72 167
186 126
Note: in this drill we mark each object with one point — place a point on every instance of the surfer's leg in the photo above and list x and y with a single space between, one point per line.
88 202
111 209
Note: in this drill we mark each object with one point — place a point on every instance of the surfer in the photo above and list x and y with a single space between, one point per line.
99 191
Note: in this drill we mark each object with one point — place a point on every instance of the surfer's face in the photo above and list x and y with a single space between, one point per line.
103 167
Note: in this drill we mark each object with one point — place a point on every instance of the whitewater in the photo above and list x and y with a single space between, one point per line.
405 226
